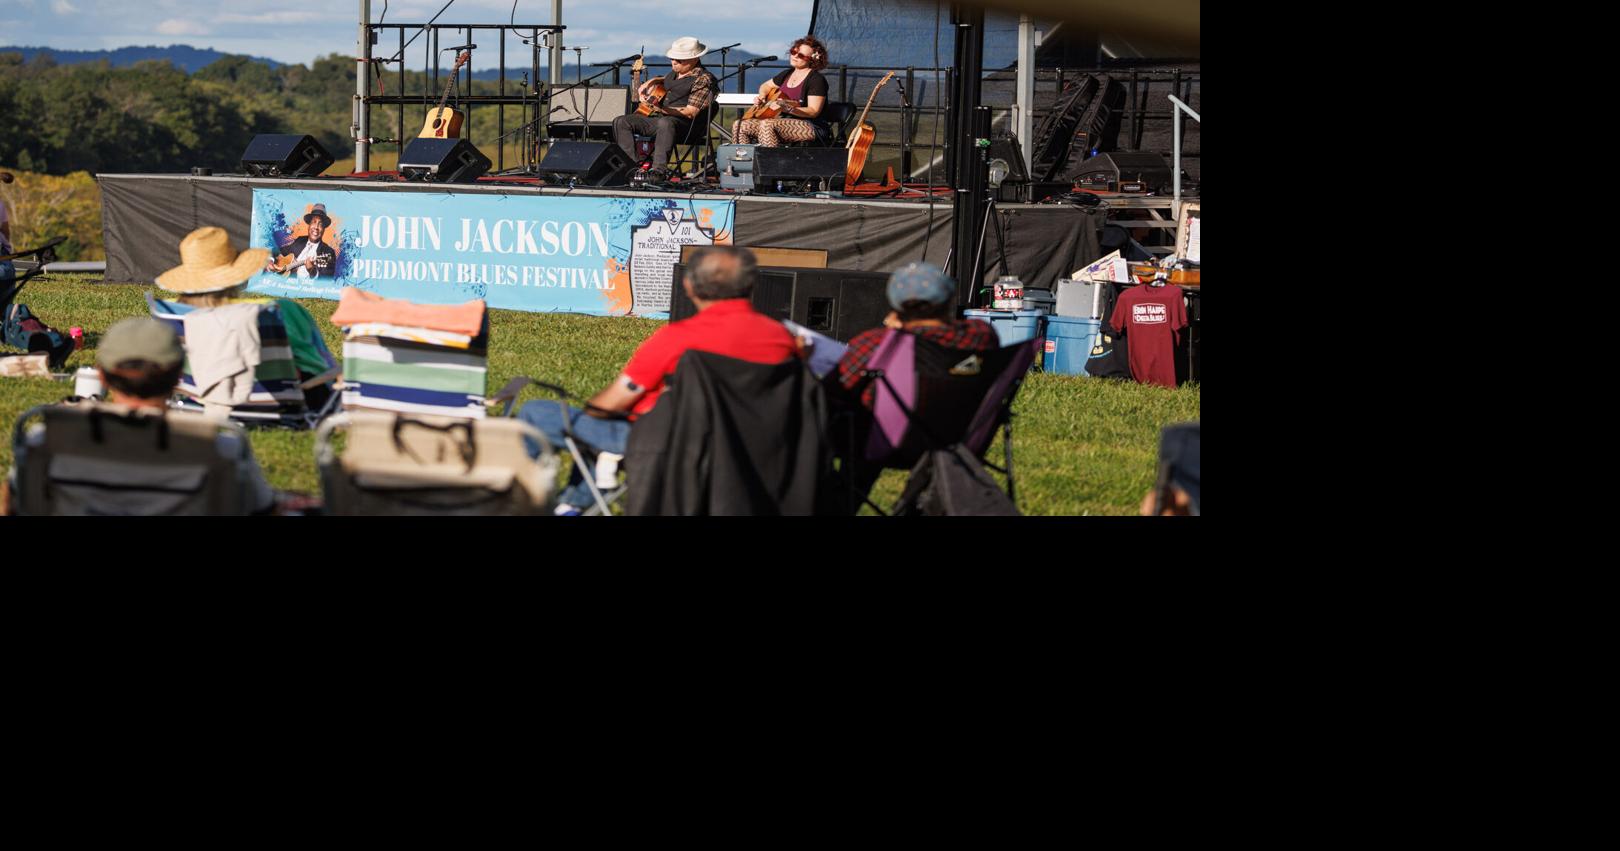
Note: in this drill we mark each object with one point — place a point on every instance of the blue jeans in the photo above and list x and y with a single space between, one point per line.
593 435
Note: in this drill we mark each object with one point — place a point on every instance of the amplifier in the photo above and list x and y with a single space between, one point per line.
826 165
1110 172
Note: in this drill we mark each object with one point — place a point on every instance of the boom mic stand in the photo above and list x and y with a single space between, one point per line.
544 100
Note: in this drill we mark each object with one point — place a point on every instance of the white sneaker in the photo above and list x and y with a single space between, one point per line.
607 470
566 510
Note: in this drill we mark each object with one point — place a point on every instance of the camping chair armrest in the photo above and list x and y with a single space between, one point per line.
330 375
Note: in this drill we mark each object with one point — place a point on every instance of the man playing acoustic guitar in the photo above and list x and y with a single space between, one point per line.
311 257
688 93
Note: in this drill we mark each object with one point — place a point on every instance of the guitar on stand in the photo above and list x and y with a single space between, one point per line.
445 123
860 139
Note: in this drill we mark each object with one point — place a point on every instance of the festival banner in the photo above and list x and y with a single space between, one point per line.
583 254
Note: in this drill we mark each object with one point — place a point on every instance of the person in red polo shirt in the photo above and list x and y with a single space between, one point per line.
719 281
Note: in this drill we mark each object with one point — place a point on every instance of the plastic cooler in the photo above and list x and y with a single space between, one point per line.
1068 344
1012 326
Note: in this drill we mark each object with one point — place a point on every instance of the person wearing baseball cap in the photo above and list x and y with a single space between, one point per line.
140 361
683 111
924 302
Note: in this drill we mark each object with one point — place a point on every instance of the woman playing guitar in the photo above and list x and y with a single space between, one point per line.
788 106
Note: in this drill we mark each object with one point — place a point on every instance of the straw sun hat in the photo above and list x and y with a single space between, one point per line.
210 264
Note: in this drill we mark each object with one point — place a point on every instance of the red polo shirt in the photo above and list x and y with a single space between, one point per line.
731 328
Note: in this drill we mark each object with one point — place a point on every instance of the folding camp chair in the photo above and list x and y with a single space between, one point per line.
931 399
277 395
730 437
413 370
104 459
602 499
410 464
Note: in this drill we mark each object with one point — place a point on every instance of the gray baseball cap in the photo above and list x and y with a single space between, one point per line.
919 282
139 338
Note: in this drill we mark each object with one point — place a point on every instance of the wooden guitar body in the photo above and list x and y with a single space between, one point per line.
443 122
860 141
773 106
656 92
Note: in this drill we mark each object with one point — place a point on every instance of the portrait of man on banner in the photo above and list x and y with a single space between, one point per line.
312 253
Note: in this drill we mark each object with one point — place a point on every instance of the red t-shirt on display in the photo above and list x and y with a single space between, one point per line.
731 327
1156 316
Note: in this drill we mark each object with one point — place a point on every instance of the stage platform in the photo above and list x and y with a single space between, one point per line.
144 217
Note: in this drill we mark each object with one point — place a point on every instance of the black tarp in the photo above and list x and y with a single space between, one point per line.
144 217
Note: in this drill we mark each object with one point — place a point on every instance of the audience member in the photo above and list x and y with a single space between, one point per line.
923 298
7 270
1180 484
213 274
139 361
719 282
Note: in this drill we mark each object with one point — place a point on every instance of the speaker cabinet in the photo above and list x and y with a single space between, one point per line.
837 302
442 161
1106 171
797 164
285 155
586 164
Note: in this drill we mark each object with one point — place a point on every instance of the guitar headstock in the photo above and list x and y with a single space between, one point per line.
640 66
464 58
883 82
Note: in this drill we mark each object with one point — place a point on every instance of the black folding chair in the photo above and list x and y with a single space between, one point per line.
931 399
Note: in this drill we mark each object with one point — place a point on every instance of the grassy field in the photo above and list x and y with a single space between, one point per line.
1081 446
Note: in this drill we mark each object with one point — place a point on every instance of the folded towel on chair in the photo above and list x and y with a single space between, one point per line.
358 306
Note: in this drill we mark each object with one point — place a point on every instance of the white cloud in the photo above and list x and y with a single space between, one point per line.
63 7
181 26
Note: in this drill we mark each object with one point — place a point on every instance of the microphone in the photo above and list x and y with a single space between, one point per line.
905 98
758 59
631 58
462 47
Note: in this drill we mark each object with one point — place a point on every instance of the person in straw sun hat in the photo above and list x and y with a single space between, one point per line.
212 273
689 91
312 258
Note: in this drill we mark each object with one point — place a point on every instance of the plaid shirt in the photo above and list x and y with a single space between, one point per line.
701 94
969 335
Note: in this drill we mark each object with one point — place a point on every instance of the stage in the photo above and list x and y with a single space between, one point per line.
144 217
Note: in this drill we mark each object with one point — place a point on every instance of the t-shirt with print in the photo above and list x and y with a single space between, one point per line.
1156 316
731 327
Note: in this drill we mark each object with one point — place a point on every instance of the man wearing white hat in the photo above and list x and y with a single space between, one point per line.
688 93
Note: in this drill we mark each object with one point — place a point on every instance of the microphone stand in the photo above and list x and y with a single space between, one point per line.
543 100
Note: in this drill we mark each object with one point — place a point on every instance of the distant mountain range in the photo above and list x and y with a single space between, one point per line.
191 59
182 56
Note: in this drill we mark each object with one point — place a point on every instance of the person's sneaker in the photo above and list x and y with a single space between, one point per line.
565 510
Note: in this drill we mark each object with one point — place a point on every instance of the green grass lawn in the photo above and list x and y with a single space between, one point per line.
1081 446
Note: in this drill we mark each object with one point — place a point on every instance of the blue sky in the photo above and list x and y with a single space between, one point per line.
297 32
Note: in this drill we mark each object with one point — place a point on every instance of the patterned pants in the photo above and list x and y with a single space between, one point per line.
771 132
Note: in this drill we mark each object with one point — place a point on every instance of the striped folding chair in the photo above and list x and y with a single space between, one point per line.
277 395
418 371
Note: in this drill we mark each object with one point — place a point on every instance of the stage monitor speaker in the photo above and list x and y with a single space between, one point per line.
837 302
285 155
442 161
1106 171
797 164
587 164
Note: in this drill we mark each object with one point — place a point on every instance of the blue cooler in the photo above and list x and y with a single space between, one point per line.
1012 326
1068 343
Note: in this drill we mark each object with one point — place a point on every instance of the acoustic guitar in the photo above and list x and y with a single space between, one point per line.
772 107
286 265
860 140
445 123
657 86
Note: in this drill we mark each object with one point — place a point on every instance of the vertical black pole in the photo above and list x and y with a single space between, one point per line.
968 178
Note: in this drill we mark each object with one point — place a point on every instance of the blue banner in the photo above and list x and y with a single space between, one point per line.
583 254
